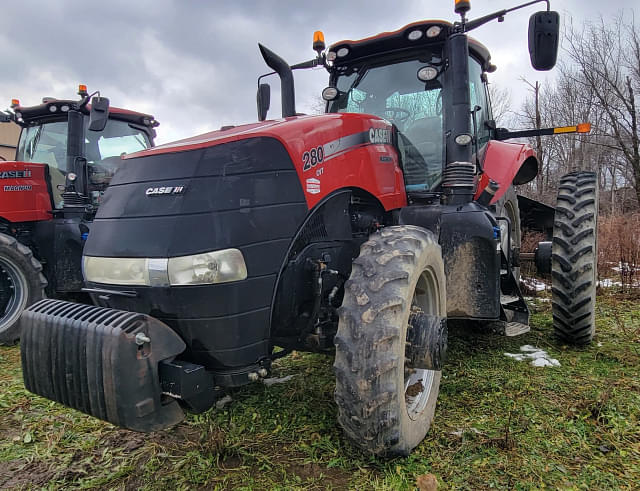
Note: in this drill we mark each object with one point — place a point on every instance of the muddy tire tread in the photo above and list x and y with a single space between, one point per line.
368 338
574 257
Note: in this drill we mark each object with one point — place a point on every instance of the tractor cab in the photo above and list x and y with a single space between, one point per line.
402 77
58 133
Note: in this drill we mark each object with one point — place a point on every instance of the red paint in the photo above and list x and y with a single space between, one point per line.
29 205
501 163
358 167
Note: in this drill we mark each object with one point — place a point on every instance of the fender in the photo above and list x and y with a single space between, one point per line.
506 164
333 229
24 192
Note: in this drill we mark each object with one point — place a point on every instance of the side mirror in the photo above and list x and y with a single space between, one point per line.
99 114
263 98
544 34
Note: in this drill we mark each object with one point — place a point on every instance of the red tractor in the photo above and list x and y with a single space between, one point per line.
364 229
67 153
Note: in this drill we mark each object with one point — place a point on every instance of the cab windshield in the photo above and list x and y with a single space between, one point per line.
394 92
47 144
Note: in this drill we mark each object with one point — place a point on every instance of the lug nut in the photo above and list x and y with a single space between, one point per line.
263 372
142 338
253 376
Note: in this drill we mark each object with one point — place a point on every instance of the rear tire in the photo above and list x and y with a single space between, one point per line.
383 407
21 284
574 258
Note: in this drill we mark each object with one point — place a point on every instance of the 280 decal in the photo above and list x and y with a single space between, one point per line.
335 148
312 157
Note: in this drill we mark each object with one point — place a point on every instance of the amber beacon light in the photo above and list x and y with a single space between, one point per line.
462 6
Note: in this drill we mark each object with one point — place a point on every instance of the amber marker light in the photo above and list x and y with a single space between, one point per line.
584 127
15 103
82 90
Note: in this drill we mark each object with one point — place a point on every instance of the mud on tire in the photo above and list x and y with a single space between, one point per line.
21 284
381 408
574 258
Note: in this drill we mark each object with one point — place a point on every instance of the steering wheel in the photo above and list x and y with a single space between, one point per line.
399 114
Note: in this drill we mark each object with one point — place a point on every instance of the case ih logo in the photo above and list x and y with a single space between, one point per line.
15 174
165 190
380 135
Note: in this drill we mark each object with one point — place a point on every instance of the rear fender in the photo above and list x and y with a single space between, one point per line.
507 164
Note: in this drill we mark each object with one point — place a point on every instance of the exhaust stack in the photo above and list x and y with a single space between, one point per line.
283 70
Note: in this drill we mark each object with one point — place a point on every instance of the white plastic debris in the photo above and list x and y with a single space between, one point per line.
275 380
538 357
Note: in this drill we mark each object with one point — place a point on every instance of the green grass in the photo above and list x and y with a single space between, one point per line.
572 427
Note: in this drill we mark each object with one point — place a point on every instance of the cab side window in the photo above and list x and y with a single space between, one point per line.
479 99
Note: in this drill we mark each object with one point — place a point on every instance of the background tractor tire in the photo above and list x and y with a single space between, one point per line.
21 284
383 406
507 206
574 258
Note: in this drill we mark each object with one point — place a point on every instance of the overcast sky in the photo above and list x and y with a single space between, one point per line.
193 64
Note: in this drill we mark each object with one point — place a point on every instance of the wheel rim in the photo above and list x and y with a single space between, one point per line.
419 383
14 295
505 233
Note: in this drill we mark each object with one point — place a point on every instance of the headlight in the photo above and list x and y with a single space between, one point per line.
199 269
116 270
206 268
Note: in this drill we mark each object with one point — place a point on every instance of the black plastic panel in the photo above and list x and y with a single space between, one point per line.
244 195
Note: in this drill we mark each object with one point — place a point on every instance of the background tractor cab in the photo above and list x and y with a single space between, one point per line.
365 229
67 153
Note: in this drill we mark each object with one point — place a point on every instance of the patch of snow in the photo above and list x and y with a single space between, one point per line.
460 432
275 380
608 283
538 357
528 348
534 284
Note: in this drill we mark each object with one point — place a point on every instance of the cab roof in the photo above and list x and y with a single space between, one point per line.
387 42
45 112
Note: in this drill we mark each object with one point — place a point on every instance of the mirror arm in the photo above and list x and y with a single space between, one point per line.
505 134
319 61
472 24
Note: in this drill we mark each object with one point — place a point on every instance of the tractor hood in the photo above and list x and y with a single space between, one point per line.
243 186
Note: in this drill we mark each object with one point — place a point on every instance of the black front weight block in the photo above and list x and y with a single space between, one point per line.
100 361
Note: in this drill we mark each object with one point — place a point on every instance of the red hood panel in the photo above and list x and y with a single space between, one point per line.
329 152
24 194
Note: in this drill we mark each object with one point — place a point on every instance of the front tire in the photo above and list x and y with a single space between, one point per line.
21 284
385 408
574 258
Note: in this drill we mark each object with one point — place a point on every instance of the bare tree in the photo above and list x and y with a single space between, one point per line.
607 56
501 105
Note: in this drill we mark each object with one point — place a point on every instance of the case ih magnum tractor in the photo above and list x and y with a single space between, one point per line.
365 228
66 155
